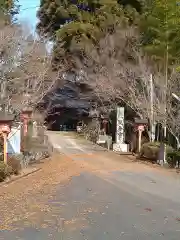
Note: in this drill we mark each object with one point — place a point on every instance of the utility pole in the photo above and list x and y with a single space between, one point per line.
152 126
166 88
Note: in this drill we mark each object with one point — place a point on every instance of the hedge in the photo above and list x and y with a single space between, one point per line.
5 171
13 166
173 158
150 150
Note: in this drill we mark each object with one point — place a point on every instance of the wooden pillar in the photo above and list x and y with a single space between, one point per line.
5 147
25 126
139 140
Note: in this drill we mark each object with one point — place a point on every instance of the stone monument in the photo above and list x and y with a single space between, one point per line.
120 146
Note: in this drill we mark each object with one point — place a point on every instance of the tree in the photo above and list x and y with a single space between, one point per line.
119 71
26 75
76 24
6 4
53 15
137 4
160 28
8 8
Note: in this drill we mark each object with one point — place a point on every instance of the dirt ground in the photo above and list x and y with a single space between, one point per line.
21 198
28 196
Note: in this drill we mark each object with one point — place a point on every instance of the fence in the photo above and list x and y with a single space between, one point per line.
29 148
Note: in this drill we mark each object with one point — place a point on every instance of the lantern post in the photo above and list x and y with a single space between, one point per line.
5 128
140 125
26 115
105 124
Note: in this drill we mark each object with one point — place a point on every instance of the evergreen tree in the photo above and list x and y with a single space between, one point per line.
160 28
55 14
77 16
8 6
78 23
136 4
8 9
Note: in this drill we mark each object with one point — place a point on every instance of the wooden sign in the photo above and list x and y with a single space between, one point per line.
141 128
5 128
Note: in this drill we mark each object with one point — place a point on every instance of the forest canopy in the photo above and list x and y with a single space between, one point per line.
76 25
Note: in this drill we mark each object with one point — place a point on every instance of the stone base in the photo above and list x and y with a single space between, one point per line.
162 163
120 147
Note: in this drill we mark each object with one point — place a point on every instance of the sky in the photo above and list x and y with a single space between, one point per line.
27 14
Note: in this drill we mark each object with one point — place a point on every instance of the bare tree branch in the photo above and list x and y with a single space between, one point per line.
25 68
119 71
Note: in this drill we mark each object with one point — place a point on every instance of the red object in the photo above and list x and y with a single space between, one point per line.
24 119
25 127
105 121
5 128
105 124
141 128
24 116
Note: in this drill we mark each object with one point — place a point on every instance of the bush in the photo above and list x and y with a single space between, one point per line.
1 157
173 158
15 163
91 131
26 143
150 150
5 171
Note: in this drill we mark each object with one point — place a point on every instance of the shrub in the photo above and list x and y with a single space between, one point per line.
173 158
15 163
91 130
26 143
5 171
150 150
1 157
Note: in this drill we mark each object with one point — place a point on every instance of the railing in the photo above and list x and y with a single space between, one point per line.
35 146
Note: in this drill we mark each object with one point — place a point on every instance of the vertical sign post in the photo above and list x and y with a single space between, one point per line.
5 130
120 125
140 130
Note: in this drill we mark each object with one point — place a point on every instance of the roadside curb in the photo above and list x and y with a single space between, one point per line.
19 177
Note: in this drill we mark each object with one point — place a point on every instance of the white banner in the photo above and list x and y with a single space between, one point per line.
14 141
120 125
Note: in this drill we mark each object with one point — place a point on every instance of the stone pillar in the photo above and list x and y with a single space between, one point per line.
120 146
34 129
120 125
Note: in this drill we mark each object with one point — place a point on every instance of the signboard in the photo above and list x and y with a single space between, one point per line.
5 128
13 141
120 125
141 128
24 116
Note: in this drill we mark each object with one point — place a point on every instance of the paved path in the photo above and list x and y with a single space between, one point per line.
111 199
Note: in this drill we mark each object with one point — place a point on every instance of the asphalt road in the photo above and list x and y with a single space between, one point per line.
109 204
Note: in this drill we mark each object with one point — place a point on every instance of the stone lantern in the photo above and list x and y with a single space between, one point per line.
26 115
6 121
